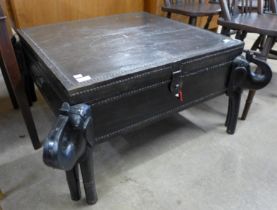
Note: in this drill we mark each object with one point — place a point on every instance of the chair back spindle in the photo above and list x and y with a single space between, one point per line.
232 8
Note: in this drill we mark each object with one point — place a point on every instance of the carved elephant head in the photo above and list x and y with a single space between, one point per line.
68 139
253 80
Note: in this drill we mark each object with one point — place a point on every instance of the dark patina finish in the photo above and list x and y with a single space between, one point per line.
251 16
126 71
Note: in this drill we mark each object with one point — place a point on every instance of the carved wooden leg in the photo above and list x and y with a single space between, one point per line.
73 181
87 170
168 15
234 111
228 113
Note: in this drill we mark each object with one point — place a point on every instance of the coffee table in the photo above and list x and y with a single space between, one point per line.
106 76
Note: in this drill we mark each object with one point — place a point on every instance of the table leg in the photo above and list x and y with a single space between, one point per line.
168 15
73 181
228 113
87 170
237 78
234 104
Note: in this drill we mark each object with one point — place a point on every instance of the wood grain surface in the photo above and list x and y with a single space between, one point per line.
29 13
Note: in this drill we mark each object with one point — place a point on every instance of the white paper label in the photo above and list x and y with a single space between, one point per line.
83 79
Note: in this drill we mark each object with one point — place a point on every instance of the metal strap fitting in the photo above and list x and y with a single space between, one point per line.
176 86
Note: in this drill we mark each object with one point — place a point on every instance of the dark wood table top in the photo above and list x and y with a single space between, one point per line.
86 53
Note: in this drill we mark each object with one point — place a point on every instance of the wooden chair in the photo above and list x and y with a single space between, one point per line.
269 7
29 85
192 9
248 20
13 75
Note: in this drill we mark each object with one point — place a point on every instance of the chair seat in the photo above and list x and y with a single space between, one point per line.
265 24
193 9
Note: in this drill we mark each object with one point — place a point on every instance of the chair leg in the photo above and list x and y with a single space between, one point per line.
264 53
8 85
207 25
73 182
87 170
168 15
248 104
241 35
257 43
225 31
192 20
15 78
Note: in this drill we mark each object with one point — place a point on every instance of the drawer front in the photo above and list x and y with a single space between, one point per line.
150 103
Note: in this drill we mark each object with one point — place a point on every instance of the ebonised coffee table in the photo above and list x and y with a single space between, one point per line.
109 75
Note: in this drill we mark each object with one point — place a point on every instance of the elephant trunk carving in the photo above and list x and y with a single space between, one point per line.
261 77
67 141
241 77
69 144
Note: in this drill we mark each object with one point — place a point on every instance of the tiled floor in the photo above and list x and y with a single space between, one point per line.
184 162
